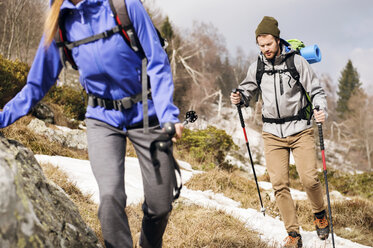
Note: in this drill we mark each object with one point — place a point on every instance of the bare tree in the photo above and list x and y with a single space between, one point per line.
196 63
355 132
20 27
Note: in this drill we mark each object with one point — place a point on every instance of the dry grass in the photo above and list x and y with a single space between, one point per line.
87 208
182 154
38 143
193 226
189 225
236 185
352 219
130 150
60 118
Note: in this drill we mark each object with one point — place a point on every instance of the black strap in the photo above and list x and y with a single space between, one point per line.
120 105
119 9
290 67
295 74
166 143
259 71
60 38
289 61
107 33
300 116
144 84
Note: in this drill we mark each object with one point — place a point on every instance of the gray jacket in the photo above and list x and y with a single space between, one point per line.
281 96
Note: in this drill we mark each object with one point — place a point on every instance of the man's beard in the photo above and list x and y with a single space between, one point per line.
274 54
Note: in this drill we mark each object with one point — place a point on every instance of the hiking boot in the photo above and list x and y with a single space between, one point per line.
294 240
322 225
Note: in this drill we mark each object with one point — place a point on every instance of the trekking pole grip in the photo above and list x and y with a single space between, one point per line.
239 110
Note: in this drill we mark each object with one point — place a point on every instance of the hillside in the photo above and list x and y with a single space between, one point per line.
209 196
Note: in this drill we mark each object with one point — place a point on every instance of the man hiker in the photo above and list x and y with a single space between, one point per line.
111 73
286 124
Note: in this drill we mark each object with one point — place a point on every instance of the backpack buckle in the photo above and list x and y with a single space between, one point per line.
108 33
126 102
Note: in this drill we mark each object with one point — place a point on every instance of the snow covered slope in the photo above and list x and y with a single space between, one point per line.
271 230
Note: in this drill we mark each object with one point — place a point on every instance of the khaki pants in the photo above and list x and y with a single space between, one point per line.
277 153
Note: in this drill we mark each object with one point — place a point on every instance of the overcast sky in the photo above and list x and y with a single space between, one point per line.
343 29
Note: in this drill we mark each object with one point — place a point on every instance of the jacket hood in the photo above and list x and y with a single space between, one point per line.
85 3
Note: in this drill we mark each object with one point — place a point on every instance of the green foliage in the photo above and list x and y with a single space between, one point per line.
350 184
13 75
73 101
167 30
348 83
226 80
345 183
293 174
209 146
168 34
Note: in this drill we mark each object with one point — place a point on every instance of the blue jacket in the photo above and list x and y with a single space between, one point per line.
108 67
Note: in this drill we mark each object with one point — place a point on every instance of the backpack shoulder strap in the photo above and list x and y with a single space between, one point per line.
60 38
295 74
291 67
119 9
259 71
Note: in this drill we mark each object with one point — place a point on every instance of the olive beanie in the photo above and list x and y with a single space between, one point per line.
268 25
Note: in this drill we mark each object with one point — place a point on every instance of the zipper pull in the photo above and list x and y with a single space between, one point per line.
81 16
281 85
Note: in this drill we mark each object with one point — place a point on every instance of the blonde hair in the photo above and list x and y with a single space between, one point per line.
51 22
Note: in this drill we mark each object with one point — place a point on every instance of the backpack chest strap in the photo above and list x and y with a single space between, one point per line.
273 71
107 33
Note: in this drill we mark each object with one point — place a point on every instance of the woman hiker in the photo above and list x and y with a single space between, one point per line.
110 72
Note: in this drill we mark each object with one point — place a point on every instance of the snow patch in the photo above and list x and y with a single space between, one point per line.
270 229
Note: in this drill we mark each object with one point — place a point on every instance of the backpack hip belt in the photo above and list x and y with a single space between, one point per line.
120 105
300 116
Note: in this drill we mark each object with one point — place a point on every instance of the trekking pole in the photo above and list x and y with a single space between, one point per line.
164 143
262 209
322 148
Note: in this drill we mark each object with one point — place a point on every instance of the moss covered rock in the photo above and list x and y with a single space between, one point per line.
34 212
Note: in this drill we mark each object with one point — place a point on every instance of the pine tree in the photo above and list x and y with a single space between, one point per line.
348 83
167 30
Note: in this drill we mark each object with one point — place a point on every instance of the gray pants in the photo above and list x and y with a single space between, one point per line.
107 149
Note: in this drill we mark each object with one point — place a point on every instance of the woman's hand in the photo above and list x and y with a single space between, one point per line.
178 131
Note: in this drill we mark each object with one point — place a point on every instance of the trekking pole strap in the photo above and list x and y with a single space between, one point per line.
163 143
